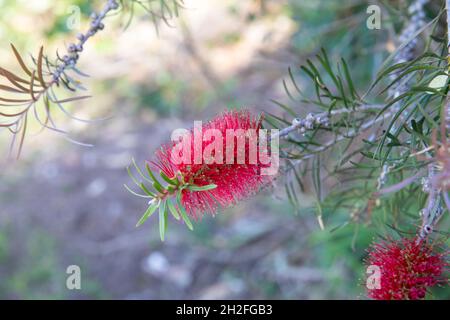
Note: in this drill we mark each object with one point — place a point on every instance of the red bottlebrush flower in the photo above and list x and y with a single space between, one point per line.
408 267
237 177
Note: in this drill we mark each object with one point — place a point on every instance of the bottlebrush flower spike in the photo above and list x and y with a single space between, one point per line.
222 163
408 268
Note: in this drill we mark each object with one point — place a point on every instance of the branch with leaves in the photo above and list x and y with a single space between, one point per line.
166 198
347 115
35 91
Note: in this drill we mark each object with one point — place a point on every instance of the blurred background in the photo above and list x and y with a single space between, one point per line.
63 204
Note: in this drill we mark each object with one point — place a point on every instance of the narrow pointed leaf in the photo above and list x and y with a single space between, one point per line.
150 210
202 188
20 60
173 181
135 193
183 212
173 210
162 220
39 67
156 184
72 99
145 189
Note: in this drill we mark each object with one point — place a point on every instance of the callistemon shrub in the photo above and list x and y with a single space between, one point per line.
406 269
212 166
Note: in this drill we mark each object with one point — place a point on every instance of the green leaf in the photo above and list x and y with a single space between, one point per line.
158 187
148 213
394 140
402 66
292 197
407 72
132 176
349 79
388 60
316 177
285 107
271 119
156 184
314 79
145 189
327 65
437 39
173 181
288 92
291 76
162 220
299 181
166 217
418 125
135 193
173 210
340 87
183 212
202 188
139 170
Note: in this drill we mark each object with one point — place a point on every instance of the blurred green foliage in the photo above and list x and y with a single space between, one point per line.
31 268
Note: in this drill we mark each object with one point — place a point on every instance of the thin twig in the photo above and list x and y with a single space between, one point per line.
322 118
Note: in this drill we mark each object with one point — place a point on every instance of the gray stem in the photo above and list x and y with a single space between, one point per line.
74 49
322 118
